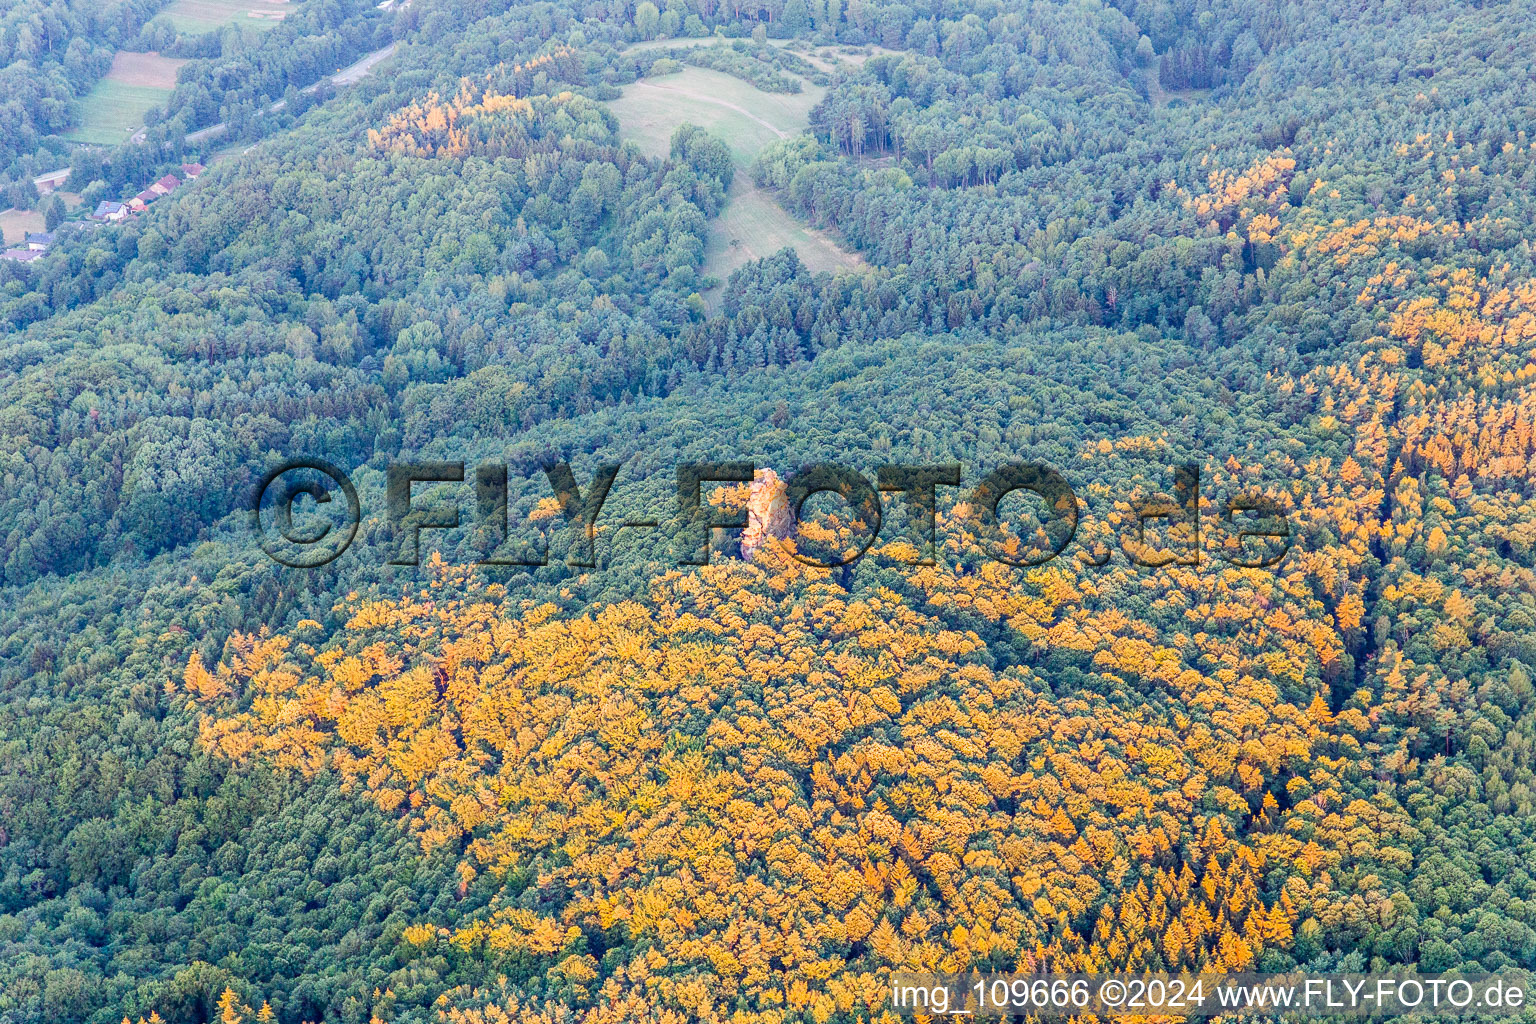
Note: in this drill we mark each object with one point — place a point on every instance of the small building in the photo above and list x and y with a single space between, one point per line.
39 240
192 170
110 211
20 255
164 186
47 183
143 199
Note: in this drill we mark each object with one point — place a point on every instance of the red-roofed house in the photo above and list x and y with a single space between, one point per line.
191 170
165 184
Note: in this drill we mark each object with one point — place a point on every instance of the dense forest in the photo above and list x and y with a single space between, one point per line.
1290 244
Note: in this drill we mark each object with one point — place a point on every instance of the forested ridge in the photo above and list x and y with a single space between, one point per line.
1288 243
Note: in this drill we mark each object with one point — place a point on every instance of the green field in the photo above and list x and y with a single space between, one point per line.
206 15
752 224
112 111
14 224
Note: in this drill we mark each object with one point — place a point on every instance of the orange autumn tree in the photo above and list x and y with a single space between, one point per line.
787 789
484 122
768 786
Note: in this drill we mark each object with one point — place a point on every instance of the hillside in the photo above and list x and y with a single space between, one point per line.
872 233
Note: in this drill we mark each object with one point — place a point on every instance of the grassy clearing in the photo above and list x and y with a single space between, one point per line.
1160 97
149 69
225 152
14 224
115 108
752 225
835 58
207 15
741 114
825 58
112 111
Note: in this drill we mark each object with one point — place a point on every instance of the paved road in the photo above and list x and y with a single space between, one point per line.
346 76
52 176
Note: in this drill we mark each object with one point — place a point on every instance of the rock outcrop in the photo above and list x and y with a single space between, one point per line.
767 512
